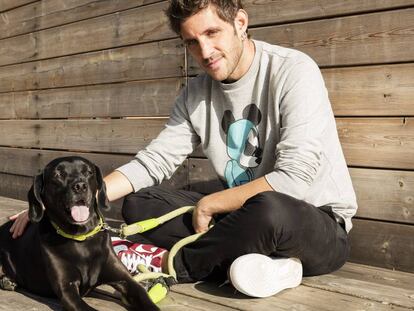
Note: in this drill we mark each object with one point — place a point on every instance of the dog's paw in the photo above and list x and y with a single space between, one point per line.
7 284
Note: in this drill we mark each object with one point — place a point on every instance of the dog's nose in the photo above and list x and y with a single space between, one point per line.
79 187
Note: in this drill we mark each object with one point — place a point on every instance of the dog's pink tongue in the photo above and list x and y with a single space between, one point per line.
79 213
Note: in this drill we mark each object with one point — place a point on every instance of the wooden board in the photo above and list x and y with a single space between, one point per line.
137 98
362 39
384 194
143 24
368 142
29 162
50 13
378 142
15 186
382 244
304 298
385 90
146 61
280 11
367 282
11 4
354 91
102 135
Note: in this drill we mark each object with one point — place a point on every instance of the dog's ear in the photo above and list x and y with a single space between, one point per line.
102 199
36 207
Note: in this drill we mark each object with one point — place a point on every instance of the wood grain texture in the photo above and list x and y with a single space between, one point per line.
376 277
29 162
103 135
382 37
376 284
378 142
51 13
147 61
304 298
143 24
282 11
382 244
384 194
14 186
11 4
137 98
355 91
371 90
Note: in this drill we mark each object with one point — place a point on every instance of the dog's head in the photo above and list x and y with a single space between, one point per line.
67 189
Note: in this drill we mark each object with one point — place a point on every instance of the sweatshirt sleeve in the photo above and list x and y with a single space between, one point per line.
160 159
304 114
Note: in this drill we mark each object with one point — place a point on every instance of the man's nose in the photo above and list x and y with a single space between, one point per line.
206 49
79 187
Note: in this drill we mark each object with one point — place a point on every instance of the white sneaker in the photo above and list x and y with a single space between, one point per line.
258 275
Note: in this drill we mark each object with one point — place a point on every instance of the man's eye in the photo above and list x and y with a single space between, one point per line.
212 33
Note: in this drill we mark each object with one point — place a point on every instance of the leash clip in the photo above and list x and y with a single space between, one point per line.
106 227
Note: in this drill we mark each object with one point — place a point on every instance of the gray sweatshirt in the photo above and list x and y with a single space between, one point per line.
276 121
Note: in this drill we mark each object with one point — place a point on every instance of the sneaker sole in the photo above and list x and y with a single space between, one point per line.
258 275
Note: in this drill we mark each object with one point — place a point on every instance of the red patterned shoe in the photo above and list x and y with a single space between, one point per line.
134 254
120 244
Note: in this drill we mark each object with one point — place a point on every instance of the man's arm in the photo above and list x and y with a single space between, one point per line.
117 186
226 201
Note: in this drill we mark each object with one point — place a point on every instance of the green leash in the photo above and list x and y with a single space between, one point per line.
159 289
148 224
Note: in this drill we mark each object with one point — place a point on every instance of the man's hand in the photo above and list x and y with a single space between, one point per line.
202 215
20 222
225 201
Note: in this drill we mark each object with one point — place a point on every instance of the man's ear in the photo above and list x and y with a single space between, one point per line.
36 207
102 199
241 21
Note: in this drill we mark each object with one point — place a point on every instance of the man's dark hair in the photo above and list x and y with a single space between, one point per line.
179 10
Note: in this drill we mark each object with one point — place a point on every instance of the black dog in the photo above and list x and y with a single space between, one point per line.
46 263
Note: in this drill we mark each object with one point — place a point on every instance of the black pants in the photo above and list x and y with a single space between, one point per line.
270 223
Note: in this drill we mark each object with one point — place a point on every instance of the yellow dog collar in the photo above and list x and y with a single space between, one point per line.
79 237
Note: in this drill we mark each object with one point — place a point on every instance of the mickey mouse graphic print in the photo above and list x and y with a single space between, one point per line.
242 145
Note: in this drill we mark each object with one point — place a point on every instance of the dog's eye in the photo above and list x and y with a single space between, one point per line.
88 173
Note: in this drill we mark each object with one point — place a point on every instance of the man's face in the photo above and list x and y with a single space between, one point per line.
215 45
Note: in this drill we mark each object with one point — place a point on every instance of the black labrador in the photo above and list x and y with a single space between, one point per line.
63 197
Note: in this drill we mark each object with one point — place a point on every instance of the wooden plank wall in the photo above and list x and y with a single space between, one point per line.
98 78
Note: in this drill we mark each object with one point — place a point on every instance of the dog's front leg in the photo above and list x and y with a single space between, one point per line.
116 275
70 298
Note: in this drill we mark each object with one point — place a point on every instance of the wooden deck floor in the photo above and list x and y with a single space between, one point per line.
354 287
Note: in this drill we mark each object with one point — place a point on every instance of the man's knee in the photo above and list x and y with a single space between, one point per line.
276 209
133 207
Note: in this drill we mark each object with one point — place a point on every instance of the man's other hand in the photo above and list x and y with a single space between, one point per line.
20 223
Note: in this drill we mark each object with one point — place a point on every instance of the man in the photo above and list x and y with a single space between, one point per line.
262 116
